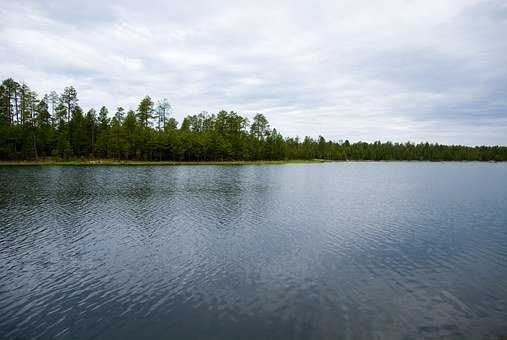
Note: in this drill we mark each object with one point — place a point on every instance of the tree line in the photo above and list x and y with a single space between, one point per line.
55 126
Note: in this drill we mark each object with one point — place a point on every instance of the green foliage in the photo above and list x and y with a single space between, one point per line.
68 101
145 111
56 126
260 127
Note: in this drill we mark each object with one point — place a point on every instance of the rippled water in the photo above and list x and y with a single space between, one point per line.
315 251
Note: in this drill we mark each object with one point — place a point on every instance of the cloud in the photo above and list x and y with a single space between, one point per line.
397 70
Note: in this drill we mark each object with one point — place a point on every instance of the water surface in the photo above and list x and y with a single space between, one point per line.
296 251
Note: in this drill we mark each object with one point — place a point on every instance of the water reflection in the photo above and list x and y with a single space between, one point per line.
348 250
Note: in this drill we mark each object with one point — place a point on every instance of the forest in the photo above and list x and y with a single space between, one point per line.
54 126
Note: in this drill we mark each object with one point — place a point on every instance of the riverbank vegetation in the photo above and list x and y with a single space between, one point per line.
55 127
59 161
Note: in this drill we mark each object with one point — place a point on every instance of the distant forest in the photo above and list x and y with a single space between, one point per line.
54 126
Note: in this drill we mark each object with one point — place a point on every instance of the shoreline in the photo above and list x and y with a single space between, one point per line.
125 162
112 162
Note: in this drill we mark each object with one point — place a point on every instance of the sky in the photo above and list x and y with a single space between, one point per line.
365 70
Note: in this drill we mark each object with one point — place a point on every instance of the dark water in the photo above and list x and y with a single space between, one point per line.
315 251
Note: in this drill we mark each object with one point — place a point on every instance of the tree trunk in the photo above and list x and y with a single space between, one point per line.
35 146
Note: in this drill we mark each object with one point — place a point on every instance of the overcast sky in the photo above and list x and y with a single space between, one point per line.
362 70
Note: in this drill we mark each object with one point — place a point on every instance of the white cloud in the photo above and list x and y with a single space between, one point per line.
398 70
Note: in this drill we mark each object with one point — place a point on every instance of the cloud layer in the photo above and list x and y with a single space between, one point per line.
392 70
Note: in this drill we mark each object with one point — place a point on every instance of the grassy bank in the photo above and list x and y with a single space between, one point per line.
123 162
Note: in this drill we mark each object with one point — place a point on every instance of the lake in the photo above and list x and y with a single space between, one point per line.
297 251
